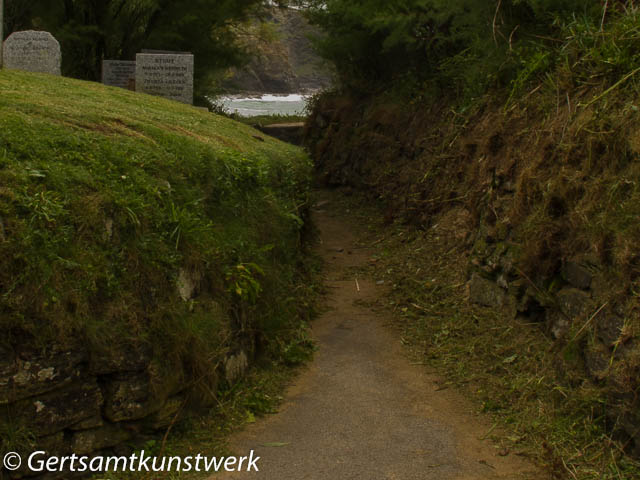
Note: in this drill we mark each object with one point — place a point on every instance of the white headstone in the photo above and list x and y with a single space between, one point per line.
32 51
118 73
165 75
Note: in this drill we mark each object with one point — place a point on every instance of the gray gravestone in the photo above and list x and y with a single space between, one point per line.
33 52
163 75
118 73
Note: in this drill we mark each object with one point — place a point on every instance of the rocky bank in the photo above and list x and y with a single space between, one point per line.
538 203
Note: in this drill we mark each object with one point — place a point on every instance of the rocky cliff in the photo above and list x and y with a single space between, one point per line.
283 57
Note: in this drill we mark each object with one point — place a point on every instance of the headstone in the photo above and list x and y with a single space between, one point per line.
33 52
165 75
118 73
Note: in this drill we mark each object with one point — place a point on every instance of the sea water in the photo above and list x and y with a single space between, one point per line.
293 104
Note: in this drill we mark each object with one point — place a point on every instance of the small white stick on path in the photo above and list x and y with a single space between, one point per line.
357 285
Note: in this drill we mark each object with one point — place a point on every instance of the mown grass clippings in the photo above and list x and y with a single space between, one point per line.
538 396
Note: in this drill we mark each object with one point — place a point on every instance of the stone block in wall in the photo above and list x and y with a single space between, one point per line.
55 444
287 132
55 411
52 445
489 294
87 441
129 397
187 284
165 416
485 292
573 304
31 373
454 225
597 360
557 324
609 328
89 423
235 366
629 420
321 122
577 275
121 358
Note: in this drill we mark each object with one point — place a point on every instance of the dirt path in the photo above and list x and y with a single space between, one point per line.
362 410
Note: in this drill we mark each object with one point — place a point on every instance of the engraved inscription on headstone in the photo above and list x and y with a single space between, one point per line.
118 73
169 76
32 51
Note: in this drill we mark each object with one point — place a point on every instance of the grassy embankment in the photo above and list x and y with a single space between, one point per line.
106 196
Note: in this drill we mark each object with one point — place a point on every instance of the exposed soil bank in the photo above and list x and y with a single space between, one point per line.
362 410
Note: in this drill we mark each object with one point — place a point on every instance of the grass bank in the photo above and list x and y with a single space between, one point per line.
132 223
523 198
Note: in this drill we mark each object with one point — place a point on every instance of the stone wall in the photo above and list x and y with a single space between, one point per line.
69 399
577 312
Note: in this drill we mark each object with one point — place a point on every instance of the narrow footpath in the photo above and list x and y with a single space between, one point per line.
362 410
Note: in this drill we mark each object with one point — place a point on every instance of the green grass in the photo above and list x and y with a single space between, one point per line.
108 198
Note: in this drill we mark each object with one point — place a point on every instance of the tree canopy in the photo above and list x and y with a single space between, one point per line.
450 43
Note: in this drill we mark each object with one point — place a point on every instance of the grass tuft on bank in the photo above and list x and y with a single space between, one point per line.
132 221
